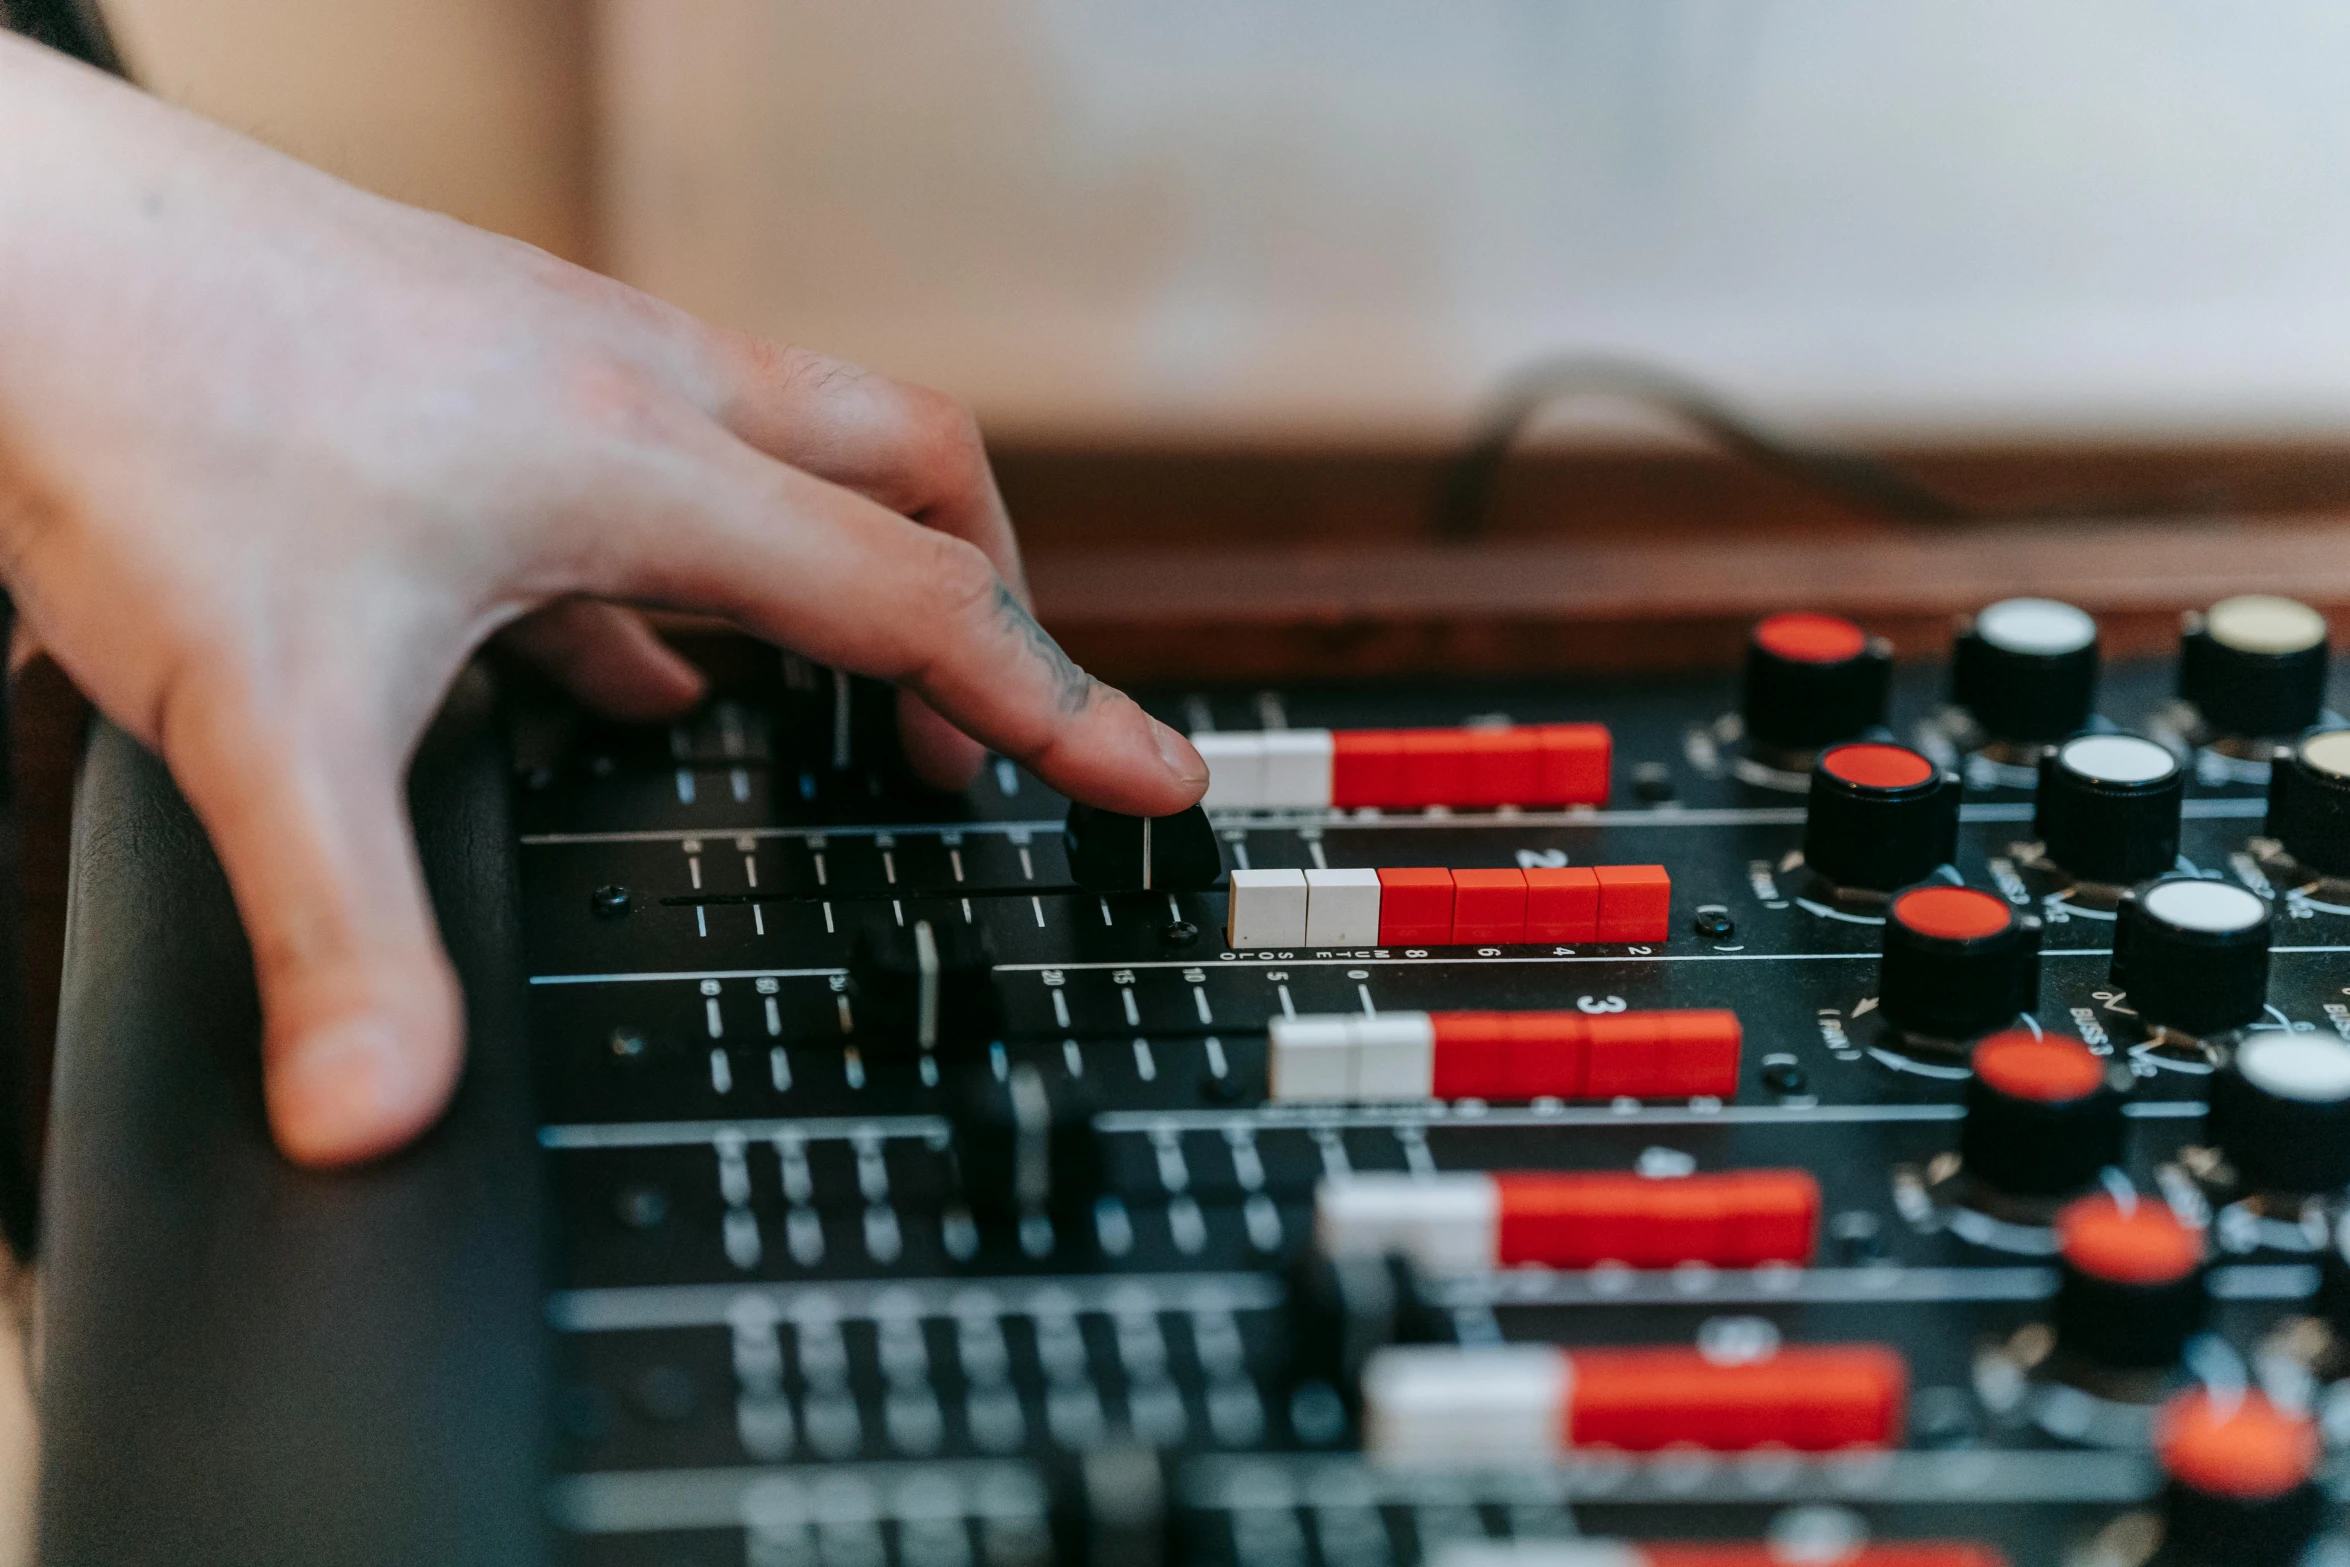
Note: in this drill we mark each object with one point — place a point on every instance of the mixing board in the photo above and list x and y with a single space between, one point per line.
1828 1113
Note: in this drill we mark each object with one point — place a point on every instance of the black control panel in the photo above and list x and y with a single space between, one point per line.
930 1179
1035 1277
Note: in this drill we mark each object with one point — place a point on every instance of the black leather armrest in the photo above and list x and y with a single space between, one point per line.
246 1362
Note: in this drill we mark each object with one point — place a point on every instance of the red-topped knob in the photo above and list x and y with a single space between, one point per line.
1958 963
1811 680
2043 1116
1880 817
2132 1287
2242 1476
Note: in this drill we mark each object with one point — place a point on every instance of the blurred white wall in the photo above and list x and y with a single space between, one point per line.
1292 218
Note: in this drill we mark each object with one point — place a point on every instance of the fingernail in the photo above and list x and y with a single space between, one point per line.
1176 752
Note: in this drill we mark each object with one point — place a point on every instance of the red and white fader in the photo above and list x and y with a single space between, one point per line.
1567 1552
1468 1222
1430 906
1528 1403
1533 765
1505 1056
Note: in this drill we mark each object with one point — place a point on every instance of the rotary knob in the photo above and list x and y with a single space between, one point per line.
2254 666
2043 1115
2192 954
1958 963
1879 817
2241 1484
2280 1111
2026 670
2309 801
2130 1289
2108 808
1812 680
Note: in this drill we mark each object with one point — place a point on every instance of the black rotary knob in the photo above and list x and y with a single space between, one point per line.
2309 801
1958 963
2130 1287
1812 680
2240 1480
2192 954
922 985
2043 1115
2026 669
1879 817
2280 1111
1025 1144
1113 853
2254 666
2108 808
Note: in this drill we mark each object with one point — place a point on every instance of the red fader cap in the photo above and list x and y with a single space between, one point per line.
1744 1553
1740 1219
1567 1055
1562 903
1814 1400
1488 907
1635 902
1415 906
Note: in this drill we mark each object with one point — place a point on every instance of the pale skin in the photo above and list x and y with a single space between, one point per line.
276 456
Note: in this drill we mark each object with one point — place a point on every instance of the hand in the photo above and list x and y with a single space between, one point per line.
276 456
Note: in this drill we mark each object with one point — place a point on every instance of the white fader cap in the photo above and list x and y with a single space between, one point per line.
1267 769
1431 1404
1267 908
1448 1223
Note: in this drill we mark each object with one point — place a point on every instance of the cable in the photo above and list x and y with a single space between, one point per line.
1466 501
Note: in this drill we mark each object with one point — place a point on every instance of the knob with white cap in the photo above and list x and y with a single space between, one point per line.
2107 810
2309 801
2192 954
2280 1111
2254 666
2026 670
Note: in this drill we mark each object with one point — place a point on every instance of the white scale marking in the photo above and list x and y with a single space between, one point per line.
2223 809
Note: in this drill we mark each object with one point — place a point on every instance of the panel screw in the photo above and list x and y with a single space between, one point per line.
610 903
630 1044
1714 923
1785 1077
1179 933
642 1206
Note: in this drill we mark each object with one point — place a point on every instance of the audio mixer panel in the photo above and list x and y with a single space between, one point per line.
1840 1112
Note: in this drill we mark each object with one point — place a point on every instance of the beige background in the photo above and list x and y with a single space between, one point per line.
1299 219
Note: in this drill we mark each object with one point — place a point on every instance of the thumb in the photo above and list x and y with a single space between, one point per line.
363 1026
